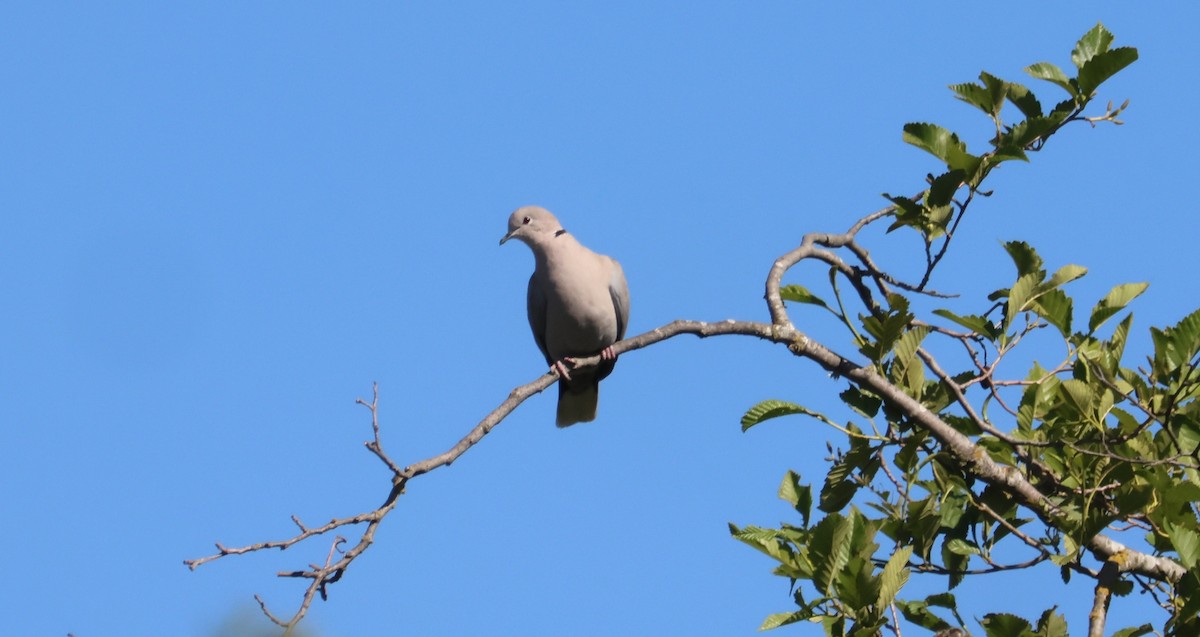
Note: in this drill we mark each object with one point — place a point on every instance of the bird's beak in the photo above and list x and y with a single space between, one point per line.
508 236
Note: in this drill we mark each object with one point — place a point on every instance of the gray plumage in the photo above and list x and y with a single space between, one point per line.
578 306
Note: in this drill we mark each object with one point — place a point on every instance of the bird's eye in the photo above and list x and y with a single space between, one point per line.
525 222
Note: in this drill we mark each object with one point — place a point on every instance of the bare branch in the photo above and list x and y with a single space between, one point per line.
1109 574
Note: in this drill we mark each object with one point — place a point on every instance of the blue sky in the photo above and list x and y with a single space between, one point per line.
220 224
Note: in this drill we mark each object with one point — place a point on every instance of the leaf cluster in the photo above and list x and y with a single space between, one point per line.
1111 447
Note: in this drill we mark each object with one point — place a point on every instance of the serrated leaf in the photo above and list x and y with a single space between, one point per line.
1005 625
1024 134
1007 153
1095 41
907 370
942 144
1024 100
919 614
1061 111
908 212
975 95
1186 542
1051 73
944 600
800 294
835 495
1113 302
1066 274
997 90
797 494
1052 624
1024 256
765 540
938 219
782 619
1103 66
829 549
942 188
894 576
861 402
1019 296
908 343
1144 629
1056 307
959 546
1175 346
978 324
769 409
1079 394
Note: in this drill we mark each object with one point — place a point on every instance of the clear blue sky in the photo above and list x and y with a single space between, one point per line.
220 224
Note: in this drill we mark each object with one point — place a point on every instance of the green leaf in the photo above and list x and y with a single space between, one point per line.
945 600
1051 73
800 294
768 541
1024 100
977 324
996 88
975 95
1175 346
988 97
1025 258
942 144
1007 152
769 409
836 494
1005 625
1036 400
1103 66
908 212
1094 42
918 613
959 546
1056 307
942 188
1066 274
861 402
1113 302
908 370
887 330
1052 624
1144 629
1186 542
1061 111
894 576
782 619
797 494
1019 297
956 565
1079 394
1023 134
829 549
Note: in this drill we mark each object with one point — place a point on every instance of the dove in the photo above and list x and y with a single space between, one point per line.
578 304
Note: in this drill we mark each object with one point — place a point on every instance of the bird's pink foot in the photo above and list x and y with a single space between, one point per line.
607 354
561 369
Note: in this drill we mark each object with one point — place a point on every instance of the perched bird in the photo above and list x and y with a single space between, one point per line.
578 306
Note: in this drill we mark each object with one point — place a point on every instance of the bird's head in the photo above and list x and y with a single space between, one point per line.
533 225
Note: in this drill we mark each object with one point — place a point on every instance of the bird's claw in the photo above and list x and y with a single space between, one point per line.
607 354
561 369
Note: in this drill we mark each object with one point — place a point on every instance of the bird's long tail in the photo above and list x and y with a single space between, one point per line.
577 403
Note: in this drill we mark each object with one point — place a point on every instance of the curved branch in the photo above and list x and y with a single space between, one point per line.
966 451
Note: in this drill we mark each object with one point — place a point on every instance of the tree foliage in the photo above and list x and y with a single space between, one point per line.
954 466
